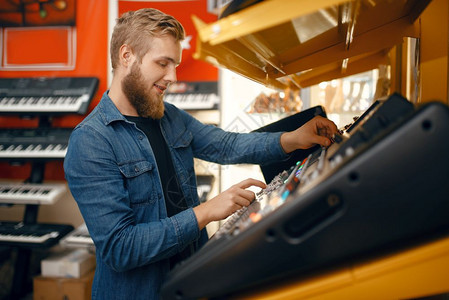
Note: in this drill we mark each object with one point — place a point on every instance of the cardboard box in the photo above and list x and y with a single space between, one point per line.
71 263
57 288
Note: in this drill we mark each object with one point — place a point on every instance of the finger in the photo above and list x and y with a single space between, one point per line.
248 195
323 141
241 201
322 131
326 131
320 139
325 123
236 207
330 126
251 182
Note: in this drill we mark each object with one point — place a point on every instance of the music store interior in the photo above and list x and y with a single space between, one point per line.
365 218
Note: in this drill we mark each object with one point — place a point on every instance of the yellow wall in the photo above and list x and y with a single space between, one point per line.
434 52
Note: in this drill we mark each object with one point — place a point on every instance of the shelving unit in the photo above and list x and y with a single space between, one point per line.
42 99
269 43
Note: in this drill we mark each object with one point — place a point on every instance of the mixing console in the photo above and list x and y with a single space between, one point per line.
363 195
270 198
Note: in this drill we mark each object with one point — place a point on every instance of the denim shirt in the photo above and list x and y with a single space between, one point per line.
112 174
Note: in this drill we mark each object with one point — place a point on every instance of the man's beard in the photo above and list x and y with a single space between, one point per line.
139 95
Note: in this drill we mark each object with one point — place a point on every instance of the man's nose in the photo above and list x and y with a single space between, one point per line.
171 75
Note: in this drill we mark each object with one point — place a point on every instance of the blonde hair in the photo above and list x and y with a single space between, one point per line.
134 28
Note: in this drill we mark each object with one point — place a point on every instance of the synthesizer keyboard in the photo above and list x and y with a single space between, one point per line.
200 95
78 238
46 96
193 101
29 193
34 143
363 196
32 235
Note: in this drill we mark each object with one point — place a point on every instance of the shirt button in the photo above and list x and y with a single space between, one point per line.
140 137
136 169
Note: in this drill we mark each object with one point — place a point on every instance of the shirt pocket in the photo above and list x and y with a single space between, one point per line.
182 139
184 156
185 166
140 181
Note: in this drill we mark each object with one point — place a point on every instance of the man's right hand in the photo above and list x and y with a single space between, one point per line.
226 203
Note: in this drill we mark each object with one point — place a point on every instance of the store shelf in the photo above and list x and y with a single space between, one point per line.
297 43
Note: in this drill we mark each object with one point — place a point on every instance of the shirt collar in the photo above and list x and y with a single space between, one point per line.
108 110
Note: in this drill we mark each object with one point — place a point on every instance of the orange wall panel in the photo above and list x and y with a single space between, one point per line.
190 68
40 38
90 58
37 13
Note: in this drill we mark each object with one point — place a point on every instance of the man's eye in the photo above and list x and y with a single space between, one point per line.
163 64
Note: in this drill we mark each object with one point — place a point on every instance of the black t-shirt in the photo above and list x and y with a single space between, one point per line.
174 199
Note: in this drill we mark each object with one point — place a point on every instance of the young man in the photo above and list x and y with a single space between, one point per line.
129 164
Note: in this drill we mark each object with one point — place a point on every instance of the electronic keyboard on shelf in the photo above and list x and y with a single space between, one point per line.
32 235
201 95
78 238
46 95
31 193
381 187
193 101
34 143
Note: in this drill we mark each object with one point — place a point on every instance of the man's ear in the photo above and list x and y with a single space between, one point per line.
126 55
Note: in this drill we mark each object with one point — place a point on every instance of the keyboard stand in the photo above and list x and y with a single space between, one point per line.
78 89
20 280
